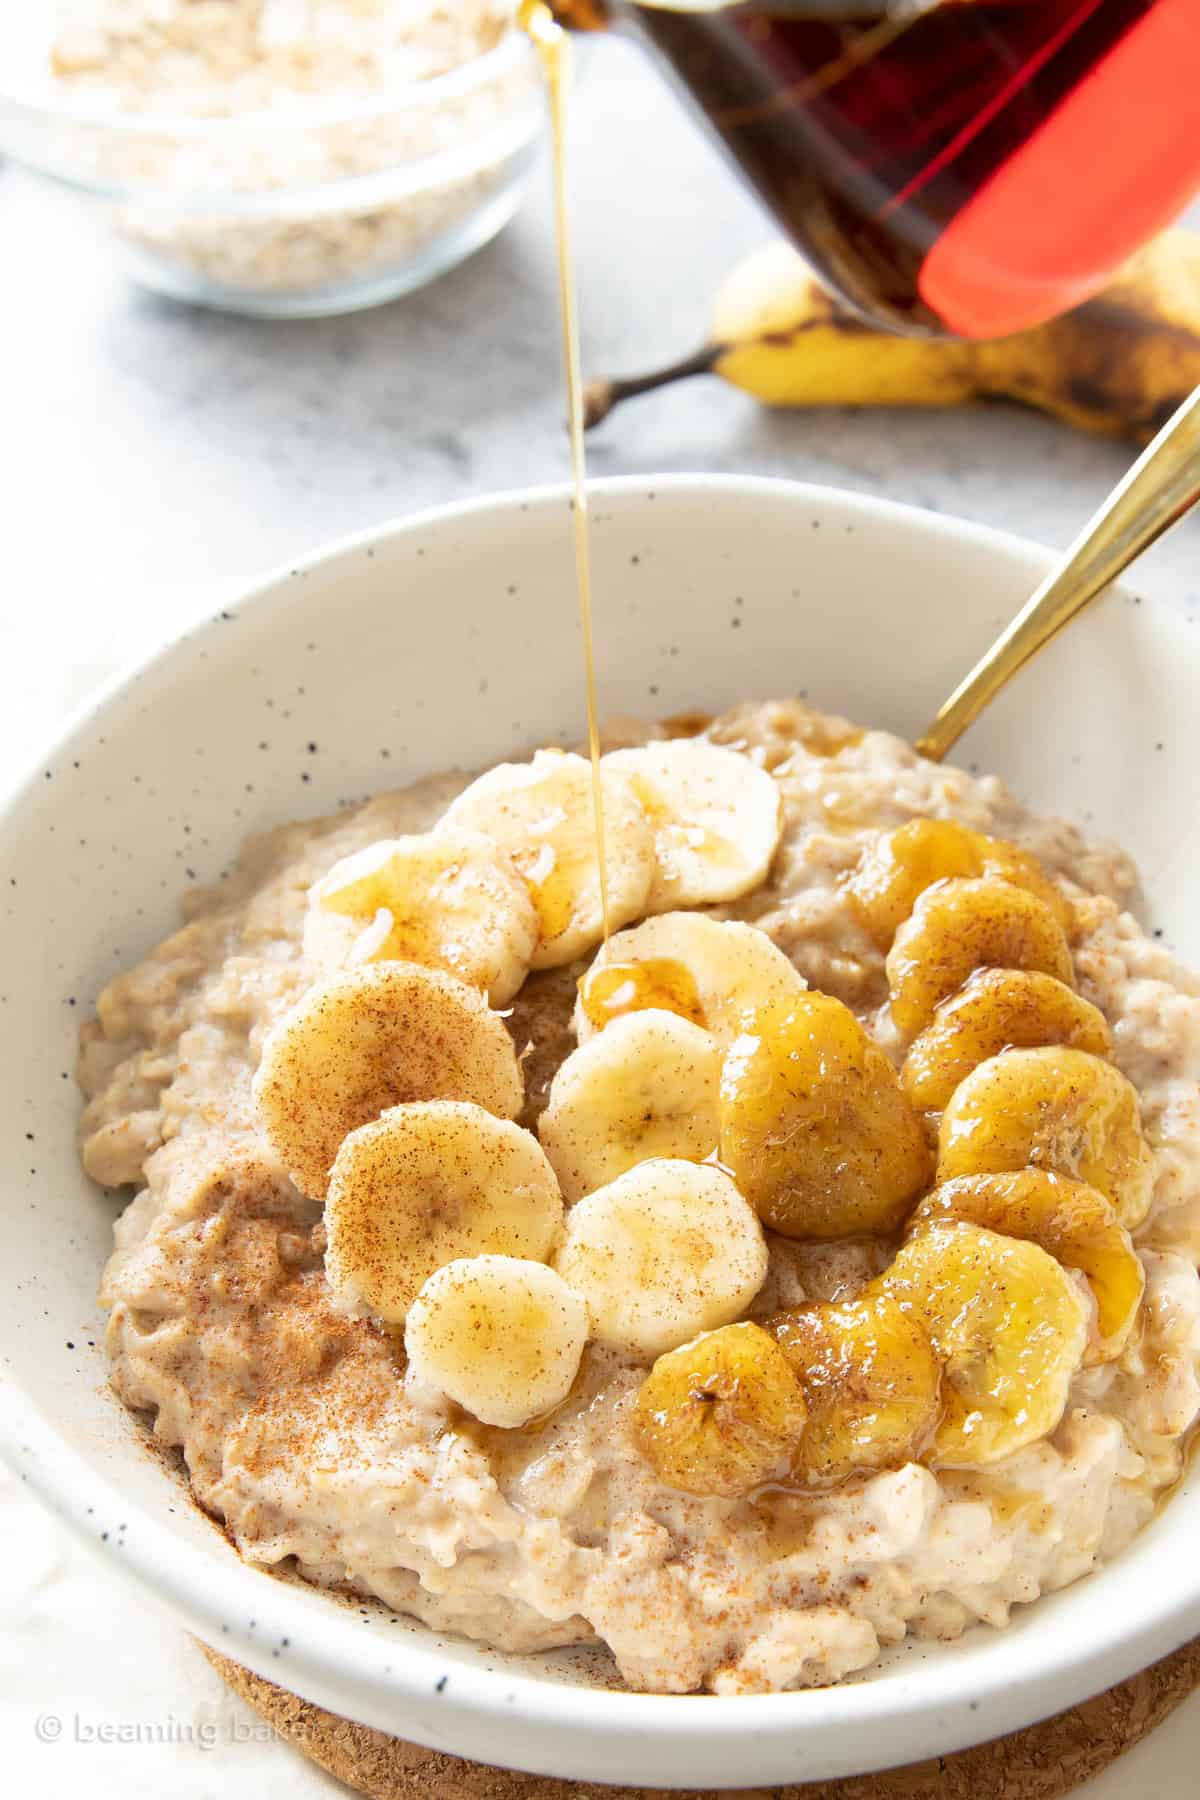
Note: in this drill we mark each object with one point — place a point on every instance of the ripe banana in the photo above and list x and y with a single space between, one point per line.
720 965
815 1128
446 899
501 1336
667 1250
646 1086
425 1185
716 817
370 1039
1119 365
541 814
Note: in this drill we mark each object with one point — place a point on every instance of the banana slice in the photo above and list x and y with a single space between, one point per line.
815 1128
898 867
370 1039
959 926
424 1185
871 1380
667 1250
500 1336
1075 1223
1057 1109
998 1009
720 1415
542 815
1009 1327
716 815
449 900
333 942
647 1087
707 970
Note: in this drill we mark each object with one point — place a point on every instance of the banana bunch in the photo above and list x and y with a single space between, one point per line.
1119 364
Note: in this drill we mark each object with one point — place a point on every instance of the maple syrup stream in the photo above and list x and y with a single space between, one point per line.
555 51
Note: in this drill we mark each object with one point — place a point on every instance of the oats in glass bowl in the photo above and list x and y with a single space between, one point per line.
278 156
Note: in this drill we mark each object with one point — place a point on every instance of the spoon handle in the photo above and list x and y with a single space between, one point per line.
1161 487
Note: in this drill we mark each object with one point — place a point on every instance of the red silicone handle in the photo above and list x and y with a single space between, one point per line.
1113 164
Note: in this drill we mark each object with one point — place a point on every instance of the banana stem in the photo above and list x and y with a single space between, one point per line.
599 397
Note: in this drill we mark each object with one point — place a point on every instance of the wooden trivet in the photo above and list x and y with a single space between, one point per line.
1043 1762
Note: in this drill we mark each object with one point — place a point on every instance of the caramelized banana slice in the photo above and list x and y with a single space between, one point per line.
871 1381
1056 1109
1009 1327
815 1127
900 865
960 926
721 1414
1074 1222
998 1009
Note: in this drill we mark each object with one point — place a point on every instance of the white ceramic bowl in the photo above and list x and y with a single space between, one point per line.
452 638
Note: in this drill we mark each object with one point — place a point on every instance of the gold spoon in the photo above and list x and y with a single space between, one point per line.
1160 489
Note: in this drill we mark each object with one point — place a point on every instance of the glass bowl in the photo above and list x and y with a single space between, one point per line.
313 207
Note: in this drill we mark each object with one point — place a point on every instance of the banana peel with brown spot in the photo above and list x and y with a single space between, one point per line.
1119 364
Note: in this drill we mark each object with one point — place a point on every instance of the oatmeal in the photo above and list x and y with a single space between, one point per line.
570 1350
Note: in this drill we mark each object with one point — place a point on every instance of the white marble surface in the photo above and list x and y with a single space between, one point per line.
153 456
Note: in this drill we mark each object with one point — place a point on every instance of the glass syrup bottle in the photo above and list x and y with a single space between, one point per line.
969 167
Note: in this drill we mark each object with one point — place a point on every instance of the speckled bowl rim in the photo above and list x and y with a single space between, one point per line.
664 1739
